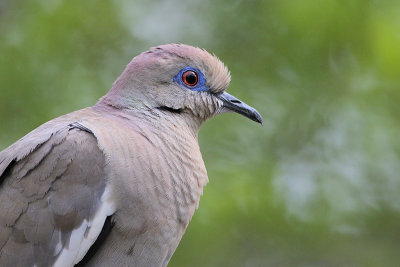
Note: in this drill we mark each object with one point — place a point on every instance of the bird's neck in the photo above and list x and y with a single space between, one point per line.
156 117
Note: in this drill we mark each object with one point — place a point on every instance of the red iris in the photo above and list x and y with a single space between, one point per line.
190 78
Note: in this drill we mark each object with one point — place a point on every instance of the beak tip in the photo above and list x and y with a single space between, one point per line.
259 119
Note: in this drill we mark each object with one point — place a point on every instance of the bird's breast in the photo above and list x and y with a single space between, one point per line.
156 173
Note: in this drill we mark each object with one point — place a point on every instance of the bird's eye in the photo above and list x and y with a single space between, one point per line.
190 78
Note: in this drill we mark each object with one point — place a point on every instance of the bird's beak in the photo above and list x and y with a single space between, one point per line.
232 103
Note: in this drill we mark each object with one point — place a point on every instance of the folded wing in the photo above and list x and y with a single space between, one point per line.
54 196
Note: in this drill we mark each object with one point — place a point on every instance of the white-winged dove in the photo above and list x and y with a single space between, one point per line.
115 184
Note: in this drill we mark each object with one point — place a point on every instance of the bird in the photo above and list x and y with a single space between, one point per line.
117 183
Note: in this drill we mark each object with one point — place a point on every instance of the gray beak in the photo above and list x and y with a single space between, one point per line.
234 104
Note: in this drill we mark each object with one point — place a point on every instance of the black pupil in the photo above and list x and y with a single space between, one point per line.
191 78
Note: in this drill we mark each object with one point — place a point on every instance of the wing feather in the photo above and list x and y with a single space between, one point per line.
53 196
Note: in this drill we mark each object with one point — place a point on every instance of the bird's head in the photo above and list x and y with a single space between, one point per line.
177 78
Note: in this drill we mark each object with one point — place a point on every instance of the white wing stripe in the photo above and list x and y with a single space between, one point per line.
79 244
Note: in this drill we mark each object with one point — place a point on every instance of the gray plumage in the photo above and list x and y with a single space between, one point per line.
131 163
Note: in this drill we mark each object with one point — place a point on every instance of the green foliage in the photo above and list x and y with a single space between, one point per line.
318 185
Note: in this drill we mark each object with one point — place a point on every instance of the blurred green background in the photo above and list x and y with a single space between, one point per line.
318 185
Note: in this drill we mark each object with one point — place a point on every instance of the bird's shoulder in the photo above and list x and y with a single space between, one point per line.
48 134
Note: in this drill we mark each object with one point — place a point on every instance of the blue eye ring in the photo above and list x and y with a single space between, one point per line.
197 82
